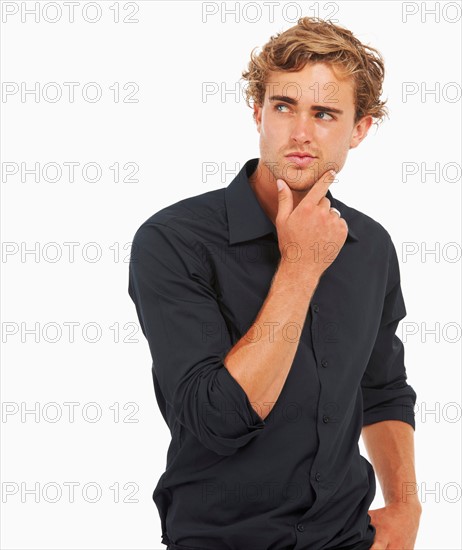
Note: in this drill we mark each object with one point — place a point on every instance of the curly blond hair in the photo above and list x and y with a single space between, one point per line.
315 40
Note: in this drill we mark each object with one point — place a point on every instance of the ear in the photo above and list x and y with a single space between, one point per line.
257 115
360 131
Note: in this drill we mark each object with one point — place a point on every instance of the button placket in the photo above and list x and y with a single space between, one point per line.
315 334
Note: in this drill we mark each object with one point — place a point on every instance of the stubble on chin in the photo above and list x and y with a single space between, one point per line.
302 182
300 188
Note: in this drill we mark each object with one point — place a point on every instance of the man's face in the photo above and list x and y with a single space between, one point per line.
310 125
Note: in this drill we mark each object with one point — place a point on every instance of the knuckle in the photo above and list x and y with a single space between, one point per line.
325 202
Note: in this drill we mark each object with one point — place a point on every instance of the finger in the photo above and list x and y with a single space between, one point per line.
319 189
335 211
324 203
285 201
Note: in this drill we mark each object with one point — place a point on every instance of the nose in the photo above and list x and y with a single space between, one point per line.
302 128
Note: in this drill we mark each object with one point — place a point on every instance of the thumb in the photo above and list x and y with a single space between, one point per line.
285 200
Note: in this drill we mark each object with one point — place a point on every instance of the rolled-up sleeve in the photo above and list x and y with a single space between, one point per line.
386 393
188 338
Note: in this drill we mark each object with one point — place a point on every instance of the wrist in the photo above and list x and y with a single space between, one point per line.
411 502
294 272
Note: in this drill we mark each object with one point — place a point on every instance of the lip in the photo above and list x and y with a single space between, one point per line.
300 159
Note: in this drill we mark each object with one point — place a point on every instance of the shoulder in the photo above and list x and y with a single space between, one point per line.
370 232
190 218
376 245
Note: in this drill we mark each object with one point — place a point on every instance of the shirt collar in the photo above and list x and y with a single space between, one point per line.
246 218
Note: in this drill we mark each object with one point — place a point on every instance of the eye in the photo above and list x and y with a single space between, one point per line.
324 113
279 105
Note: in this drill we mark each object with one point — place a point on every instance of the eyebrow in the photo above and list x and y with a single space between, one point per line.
292 101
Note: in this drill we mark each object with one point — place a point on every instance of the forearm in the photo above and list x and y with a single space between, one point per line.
261 360
390 446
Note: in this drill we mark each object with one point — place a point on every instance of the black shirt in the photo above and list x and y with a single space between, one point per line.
200 271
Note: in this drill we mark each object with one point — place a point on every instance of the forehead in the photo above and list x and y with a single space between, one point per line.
316 82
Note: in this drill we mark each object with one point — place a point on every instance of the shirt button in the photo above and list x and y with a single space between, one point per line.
315 307
324 362
300 527
318 477
325 419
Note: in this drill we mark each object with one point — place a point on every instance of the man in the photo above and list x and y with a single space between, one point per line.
270 309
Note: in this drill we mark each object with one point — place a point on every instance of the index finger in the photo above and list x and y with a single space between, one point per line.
320 187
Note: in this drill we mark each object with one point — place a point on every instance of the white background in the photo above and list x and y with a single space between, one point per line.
170 53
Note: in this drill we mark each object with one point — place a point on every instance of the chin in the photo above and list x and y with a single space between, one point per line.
300 187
